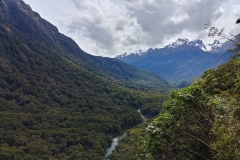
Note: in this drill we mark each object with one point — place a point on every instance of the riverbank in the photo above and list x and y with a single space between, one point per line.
117 139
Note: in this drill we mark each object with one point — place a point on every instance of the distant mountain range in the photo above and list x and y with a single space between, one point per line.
182 60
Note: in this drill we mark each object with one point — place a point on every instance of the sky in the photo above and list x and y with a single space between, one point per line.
112 27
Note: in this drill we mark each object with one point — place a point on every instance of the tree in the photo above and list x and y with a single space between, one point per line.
226 129
183 130
215 32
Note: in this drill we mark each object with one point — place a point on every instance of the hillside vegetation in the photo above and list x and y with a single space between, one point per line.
198 122
56 101
201 121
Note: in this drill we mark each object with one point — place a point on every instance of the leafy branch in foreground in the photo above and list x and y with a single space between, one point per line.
183 130
215 32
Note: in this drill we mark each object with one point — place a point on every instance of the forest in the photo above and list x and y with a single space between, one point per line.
197 122
58 102
51 108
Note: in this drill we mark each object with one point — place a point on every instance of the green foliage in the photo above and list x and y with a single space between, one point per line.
53 103
225 82
183 130
198 122
201 121
131 146
226 129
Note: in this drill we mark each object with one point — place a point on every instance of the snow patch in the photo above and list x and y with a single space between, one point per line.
214 47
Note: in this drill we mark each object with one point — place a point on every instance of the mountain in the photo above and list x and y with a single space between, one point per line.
58 102
44 33
180 61
126 73
198 122
185 42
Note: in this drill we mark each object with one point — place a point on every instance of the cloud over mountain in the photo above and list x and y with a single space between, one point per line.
114 26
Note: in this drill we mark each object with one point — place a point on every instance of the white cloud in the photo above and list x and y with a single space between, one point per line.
236 14
111 29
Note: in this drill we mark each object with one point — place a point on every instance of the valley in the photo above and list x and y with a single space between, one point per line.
59 102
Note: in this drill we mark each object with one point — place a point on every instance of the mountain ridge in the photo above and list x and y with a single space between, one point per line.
182 41
54 102
68 48
182 60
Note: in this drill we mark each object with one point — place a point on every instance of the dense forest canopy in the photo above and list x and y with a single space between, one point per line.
199 122
56 101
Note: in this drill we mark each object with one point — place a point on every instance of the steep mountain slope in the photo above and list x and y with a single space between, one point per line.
54 103
45 34
126 73
180 61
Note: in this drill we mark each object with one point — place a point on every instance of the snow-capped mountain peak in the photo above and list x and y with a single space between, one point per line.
138 53
216 46
122 55
178 43
216 43
185 41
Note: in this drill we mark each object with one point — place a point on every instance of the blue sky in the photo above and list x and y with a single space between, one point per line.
112 27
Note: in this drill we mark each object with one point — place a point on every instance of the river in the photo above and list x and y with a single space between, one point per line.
139 110
113 145
116 140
